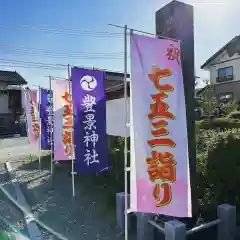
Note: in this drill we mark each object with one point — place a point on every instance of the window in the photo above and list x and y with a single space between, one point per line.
225 97
225 74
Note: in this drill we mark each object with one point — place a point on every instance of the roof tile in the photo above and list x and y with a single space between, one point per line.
12 78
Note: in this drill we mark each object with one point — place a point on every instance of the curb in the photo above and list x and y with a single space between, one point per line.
32 227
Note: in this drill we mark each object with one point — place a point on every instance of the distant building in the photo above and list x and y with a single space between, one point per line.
224 68
10 100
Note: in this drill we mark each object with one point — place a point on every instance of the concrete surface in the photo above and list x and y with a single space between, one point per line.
13 149
32 227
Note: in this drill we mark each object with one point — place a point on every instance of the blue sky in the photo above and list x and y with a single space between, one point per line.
215 24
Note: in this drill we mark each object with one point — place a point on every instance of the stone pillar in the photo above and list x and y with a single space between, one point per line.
120 209
145 231
175 230
227 226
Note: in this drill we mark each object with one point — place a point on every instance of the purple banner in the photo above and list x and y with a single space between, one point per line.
46 108
89 104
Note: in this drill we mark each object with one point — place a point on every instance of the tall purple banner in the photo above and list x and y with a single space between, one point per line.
46 108
89 104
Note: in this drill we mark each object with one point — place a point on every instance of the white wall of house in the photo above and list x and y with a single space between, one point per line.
3 100
226 61
115 116
4 104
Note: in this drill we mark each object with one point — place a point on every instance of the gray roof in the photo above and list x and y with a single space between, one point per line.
12 78
117 91
232 47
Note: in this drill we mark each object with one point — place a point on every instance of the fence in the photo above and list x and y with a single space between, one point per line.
176 230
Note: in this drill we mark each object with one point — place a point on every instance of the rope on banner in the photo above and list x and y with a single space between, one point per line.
72 144
126 168
60 78
126 134
52 125
40 128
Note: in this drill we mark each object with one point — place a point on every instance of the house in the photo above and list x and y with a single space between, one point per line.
10 100
116 112
224 68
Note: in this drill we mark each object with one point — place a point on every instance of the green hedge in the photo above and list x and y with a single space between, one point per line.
221 123
235 114
218 170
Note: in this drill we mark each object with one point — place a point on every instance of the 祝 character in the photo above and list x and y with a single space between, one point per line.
173 53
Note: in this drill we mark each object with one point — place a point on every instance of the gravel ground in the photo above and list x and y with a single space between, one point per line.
14 149
10 215
85 217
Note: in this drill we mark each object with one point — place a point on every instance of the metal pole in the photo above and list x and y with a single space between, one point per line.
72 145
147 33
40 127
50 87
126 136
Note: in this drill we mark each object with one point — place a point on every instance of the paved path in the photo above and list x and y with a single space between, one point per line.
14 149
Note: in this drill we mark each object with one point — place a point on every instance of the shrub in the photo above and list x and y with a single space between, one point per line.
218 170
113 179
235 114
221 123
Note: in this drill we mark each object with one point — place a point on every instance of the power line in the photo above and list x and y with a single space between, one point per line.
44 27
54 51
34 65
31 67
69 31
11 61
66 56
32 62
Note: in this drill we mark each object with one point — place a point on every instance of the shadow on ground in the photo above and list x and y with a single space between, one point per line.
89 215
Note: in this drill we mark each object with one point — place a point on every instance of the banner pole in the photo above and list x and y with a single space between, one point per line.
40 127
126 136
72 145
50 87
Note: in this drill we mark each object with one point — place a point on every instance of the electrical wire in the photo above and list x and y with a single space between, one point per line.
68 31
56 52
31 67
59 56
32 62
39 65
